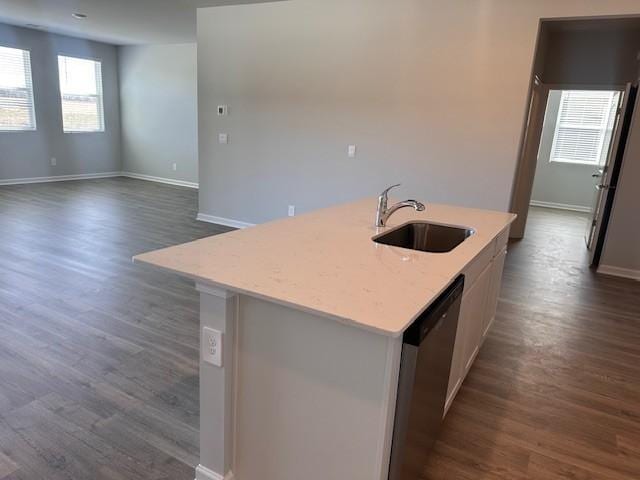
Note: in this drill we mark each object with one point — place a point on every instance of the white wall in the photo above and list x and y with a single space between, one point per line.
561 184
159 107
28 154
432 92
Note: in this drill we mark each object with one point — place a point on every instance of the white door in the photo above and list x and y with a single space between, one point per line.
603 176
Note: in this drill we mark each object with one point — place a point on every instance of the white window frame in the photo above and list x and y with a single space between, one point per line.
28 90
603 128
99 96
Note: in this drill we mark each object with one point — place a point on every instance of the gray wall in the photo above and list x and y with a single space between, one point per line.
560 183
437 108
28 154
159 106
604 57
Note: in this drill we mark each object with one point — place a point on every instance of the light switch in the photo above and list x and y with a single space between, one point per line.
222 110
223 138
351 151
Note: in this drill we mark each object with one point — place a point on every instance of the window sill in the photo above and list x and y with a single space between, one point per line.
83 131
564 162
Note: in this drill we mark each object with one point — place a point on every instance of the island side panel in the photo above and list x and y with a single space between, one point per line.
314 397
218 310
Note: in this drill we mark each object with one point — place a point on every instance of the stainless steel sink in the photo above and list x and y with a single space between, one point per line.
425 237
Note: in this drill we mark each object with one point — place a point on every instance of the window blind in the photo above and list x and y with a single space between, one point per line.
584 120
16 90
81 94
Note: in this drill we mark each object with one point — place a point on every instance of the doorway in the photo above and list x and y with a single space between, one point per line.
580 135
582 101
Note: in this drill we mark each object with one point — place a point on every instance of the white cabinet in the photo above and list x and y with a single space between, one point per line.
477 312
497 268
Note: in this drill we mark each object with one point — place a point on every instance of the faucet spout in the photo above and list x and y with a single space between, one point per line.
384 212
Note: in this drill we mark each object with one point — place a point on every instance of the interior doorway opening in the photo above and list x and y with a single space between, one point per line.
583 98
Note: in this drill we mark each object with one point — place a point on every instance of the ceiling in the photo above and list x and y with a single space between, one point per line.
121 22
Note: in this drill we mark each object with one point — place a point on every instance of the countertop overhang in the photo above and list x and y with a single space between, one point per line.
325 262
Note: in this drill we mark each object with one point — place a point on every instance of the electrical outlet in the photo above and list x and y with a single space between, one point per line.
223 138
351 151
292 210
212 346
175 167
54 161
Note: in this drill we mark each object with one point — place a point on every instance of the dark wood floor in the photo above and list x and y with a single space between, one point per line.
555 391
99 360
98 357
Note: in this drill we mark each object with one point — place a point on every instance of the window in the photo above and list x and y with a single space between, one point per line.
583 126
16 90
81 94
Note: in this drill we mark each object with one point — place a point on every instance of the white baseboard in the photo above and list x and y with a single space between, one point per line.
168 181
89 176
560 206
203 473
59 178
619 272
227 222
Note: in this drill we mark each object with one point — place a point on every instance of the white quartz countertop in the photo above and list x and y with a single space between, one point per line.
326 263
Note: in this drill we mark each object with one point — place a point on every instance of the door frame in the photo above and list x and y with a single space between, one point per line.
522 188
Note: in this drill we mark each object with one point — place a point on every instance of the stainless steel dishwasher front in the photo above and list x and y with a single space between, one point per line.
425 364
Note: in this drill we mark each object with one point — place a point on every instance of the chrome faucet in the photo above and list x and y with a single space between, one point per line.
384 212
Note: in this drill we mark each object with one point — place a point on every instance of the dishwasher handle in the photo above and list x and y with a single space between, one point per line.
435 314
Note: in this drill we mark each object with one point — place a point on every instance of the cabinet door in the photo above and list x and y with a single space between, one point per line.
494 290
475 317
470 328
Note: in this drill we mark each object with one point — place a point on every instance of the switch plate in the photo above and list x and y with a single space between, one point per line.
292 210
54 161
223 138
212 346
223 110
175 167
351 151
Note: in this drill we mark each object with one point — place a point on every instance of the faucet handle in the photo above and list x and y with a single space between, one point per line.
385 193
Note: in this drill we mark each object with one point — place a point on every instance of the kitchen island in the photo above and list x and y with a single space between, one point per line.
311 313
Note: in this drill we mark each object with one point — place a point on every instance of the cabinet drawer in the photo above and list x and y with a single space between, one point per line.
473 270
501 241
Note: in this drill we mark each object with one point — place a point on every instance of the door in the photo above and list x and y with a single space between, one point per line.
606 176
523 185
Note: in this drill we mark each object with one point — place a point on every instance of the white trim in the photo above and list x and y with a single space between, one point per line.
214 291
619 272
203 473
58 178
227 222
168 181
560 206
391 377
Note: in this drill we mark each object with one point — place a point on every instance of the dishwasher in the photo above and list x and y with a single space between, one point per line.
427 352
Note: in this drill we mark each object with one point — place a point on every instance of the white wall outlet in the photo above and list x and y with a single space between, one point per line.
212 346
223 138
292 210
175 167
351 151
223 110
54 161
